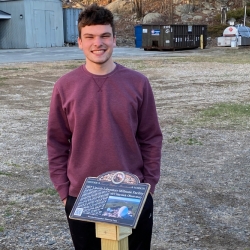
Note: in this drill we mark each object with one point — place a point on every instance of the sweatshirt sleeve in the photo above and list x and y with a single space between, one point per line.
149 137
58 144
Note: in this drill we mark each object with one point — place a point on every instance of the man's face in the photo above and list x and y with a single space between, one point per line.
97 43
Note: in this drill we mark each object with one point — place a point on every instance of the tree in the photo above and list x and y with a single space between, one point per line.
138 8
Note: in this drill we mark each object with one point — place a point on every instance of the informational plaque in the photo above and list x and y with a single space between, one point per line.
113 197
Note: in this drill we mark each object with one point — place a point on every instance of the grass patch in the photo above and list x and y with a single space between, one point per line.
226 56
10 164
227 110
225 115
7 213
2 79
16 165
188 141
47 191
174 139
1 229
193 141
4 173
74 65
15 69
229 56
139 64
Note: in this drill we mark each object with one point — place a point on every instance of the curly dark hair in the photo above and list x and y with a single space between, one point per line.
94 15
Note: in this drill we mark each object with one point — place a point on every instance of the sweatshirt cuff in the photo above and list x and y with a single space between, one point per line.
63 193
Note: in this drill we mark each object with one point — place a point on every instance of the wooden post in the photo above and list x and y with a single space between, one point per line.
113 237
201 41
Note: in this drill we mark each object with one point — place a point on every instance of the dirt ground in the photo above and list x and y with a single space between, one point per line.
202 199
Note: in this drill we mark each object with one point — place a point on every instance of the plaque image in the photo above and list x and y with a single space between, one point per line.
113 197
120 207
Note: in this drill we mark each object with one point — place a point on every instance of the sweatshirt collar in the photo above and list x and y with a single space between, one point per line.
83 67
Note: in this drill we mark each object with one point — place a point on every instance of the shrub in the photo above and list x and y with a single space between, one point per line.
216 30
238 14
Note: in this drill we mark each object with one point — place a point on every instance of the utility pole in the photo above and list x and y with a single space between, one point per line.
224 10
245 14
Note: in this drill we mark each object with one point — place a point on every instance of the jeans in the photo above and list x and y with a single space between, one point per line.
83 232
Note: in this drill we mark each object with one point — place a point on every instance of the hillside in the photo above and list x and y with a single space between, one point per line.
128 13
162 6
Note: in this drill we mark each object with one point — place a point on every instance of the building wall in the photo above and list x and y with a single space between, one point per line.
13 31
41 25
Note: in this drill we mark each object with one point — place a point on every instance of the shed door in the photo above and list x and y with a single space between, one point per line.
50 28
39 36
44 22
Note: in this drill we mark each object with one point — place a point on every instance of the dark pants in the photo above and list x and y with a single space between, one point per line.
83 233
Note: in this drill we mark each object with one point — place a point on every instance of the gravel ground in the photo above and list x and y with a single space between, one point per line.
202 199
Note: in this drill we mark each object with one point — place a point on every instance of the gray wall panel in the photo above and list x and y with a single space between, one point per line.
41 26
13 31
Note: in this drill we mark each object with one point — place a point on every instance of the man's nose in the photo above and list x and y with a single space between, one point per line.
97 41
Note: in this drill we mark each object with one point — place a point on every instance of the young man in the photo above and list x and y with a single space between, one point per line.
102 118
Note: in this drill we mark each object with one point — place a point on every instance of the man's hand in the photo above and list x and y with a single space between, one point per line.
64 201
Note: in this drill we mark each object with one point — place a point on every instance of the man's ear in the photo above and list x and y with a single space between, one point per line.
79 40
114 41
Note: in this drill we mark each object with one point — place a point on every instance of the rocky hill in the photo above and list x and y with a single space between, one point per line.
172 11
158 11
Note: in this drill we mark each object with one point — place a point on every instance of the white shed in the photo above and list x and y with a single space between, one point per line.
31 24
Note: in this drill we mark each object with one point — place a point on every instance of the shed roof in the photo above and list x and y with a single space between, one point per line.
4 15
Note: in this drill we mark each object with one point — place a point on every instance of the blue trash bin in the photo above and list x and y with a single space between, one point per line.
138 36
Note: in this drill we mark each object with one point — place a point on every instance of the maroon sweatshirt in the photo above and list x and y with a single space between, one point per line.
100 123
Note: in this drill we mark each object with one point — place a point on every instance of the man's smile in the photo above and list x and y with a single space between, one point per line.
98 52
